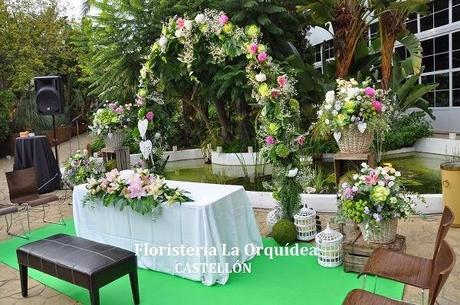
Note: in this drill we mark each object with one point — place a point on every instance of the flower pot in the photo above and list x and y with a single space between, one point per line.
384 234
114 140
354 141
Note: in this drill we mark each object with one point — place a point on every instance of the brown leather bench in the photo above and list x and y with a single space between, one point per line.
82 262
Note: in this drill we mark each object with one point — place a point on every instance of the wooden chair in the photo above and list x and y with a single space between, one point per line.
442 267
23 190
408 269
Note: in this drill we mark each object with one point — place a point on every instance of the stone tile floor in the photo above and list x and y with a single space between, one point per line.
420 233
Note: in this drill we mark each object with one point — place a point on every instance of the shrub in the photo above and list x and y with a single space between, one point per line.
6 101
406 130
284 232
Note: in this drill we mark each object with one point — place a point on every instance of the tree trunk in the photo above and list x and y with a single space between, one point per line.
243 124
223 121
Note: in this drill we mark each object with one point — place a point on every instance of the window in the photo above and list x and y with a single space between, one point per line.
411 23
456 50
318 53
373 30
436 53
402 52
438 15
456 88
329 49
455 10
440 96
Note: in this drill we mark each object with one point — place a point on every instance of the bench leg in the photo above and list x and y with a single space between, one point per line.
134 286
94 295
23 279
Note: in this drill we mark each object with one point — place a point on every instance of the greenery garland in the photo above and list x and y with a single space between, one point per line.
184 38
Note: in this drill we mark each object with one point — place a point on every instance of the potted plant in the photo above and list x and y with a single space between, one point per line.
79 167
109 121
376 200
353 113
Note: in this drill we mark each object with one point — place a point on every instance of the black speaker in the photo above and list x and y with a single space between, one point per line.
49 92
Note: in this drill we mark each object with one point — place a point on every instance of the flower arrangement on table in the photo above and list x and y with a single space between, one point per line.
375 199
143 191
272 88
354 106
79 167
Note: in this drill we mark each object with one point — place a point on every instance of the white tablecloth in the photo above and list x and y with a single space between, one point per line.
219 215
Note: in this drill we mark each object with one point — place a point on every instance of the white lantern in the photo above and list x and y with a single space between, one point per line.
305 223
329 248
274 216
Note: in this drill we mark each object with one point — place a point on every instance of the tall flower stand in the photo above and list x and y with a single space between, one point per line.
120 155
341 160
357 251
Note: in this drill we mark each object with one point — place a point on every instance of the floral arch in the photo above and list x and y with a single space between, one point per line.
212 31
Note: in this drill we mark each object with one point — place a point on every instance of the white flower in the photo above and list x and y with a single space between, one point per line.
330 96
199 18
163 41
335 112
310 190
320 113
327 121
355 177
261 77
328 106
398 174
188 24
391 183
354 188
353 82
292 173
179 33
353 92
393 200
381 183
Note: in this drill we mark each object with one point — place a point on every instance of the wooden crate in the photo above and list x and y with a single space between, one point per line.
120 155
356 251
343 159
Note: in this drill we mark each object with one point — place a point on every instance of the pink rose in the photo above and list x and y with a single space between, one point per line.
253 48
300 140
149 116
369 91
275 92
270 140
223 19
262 57
377 106
180 23
282 80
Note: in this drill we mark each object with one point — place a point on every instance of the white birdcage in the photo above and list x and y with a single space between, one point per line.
274 216
329 247
305 223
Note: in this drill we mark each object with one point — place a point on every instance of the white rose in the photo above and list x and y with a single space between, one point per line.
163 41
398 174
178 33
330 96
199 18
261 77
292 173
188 24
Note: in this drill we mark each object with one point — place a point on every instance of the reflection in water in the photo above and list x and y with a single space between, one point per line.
421 172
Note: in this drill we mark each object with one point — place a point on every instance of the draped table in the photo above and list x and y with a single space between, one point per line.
219 218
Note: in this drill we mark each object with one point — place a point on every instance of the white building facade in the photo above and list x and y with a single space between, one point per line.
439 33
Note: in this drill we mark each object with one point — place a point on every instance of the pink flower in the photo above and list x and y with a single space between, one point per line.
262 57
282 80
112 106
149 116
119 109
377 106
223 19
275 92
253 48
112 175
270 140
369 91
300 140
140 100
180 23
135 188
372 178
348 193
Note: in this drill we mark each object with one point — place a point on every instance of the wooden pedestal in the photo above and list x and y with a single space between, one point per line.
341 159
356 251
120 155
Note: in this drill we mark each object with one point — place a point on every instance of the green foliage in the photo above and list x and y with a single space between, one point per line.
97 144
284 232
110 165
406 130
6 102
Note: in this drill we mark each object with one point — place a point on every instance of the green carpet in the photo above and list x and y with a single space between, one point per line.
281 281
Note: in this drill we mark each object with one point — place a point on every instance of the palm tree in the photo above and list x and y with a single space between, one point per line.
349 19
392 16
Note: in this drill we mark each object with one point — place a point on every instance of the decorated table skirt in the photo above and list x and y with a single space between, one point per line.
200 240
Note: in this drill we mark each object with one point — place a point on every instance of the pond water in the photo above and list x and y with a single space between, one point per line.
421 172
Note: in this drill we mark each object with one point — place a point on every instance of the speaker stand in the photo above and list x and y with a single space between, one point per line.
55 140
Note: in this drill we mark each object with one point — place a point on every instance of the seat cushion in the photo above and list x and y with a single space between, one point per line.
361 297
405 268
7 209
77 260
35 200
